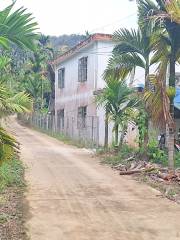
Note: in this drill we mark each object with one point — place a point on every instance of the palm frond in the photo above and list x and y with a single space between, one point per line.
19 103
128 41
173 9
121 65
118 99
17 27
4 62
9 103
158 102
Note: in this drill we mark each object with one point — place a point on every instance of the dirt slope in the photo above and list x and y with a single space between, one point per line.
72 197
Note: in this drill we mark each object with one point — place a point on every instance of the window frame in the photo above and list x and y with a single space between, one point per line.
60 118
81 117
61 78
83 69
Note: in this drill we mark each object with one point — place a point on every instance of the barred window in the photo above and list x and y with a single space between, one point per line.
82 113
61 77
60 119
82 69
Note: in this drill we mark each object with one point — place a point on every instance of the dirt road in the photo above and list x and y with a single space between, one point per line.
72 197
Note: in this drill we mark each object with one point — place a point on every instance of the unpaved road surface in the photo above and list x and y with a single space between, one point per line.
72 197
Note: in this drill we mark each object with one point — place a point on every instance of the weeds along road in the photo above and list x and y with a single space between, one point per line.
72 197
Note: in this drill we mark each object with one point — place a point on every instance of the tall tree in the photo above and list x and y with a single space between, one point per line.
161 15
132 50
119 102
16 27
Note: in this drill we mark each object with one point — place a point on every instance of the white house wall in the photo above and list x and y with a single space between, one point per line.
76 94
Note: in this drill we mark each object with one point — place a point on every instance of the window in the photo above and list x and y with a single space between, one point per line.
61 76
60 119
82 113
82 69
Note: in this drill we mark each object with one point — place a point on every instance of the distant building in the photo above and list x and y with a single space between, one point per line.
78 75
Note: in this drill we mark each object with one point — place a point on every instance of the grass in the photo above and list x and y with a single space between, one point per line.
3 218
114 158
65 139
11 174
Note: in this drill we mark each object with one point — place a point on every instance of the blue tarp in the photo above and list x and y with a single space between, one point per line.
177 98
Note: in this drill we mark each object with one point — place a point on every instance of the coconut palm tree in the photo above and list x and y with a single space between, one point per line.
132 50
163 15
10 104
17 27
118 100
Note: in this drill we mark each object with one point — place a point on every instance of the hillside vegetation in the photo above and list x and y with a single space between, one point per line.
65 42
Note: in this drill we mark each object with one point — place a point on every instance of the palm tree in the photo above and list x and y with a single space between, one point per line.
17 27
10 104
118 101
162 15
132 50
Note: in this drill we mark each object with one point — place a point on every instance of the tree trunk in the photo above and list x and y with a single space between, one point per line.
51 75
116 134
146 136
106 130
170 146
122 136
171 131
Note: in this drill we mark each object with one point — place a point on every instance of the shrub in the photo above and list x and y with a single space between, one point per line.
120 157
155 154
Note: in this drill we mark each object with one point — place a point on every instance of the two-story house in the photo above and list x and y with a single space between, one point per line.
78 74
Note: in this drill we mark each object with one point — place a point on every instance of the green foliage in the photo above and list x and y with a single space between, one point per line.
141 123
17 27
120 157
177 159
13 103
120 102
155 154
65 41
62 137
35 79
132 50
7 145
11 173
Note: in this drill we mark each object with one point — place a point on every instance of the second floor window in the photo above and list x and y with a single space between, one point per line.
82 69
61 77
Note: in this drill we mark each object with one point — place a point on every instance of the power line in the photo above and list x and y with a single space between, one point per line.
112 23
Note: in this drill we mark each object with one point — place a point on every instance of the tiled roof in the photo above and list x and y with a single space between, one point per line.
86 42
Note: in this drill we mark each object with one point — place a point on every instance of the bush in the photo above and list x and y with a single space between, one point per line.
155 154
11 173
120 157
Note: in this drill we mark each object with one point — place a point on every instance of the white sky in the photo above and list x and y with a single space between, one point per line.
58 17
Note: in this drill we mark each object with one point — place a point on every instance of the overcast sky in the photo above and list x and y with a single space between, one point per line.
57 17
